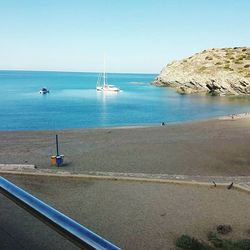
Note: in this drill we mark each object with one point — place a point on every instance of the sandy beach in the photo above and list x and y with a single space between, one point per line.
132 214
214 147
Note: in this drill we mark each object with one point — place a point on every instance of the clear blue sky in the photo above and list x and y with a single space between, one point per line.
136 35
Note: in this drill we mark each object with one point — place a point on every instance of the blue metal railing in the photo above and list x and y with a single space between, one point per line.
75 232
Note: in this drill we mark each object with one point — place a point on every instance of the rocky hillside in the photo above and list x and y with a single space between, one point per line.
223 71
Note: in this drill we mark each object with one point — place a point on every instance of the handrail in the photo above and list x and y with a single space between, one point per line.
75 232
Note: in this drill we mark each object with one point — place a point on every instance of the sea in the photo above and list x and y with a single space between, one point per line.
73 102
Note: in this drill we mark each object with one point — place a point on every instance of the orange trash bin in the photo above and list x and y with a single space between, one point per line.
53 160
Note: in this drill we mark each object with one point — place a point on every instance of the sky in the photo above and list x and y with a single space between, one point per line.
135 35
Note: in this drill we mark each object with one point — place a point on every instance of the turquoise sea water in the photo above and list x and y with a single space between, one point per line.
73 102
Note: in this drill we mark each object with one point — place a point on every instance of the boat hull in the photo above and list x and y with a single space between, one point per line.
108 88
44 91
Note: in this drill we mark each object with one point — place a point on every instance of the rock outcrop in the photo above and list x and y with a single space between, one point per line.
223 71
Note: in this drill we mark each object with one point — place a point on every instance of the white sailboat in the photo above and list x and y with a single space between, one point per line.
102 84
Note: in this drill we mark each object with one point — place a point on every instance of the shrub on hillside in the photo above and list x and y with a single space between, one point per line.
238 62
208 58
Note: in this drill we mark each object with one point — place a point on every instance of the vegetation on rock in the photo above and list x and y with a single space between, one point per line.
224 71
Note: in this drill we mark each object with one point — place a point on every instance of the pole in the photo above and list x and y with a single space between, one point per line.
57 148
104 70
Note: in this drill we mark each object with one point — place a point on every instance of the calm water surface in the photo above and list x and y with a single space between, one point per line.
73 102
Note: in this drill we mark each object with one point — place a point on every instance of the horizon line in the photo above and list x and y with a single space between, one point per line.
69 71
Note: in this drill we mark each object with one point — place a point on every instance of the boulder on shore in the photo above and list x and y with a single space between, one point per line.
224 71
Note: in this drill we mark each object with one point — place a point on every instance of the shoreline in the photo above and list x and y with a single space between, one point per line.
234 116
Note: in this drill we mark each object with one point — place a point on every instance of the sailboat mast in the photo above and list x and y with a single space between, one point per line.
104 71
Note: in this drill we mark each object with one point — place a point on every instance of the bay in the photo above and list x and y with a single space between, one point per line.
73 102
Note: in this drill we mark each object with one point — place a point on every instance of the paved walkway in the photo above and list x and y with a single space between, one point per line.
230 181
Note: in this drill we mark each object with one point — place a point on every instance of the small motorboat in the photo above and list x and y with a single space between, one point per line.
44 90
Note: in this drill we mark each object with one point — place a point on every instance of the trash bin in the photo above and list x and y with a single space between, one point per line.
53 160
59 160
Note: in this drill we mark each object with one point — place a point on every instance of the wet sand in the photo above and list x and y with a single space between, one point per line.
214 147
132 215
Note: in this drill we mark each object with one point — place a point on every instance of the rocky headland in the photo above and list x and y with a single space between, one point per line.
224 71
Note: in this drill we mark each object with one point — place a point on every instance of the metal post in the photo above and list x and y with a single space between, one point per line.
57 148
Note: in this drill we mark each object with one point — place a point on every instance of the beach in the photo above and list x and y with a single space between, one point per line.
139 187
207 148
